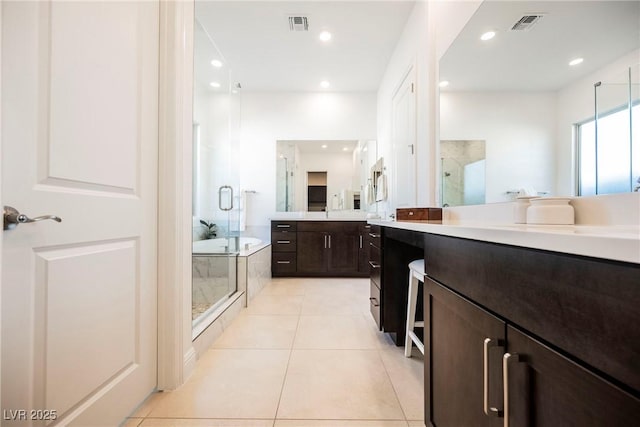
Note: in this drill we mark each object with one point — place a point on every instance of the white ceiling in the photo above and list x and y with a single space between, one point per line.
598 31
264 55
332 147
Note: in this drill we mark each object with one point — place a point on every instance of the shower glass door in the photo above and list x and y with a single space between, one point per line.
216 118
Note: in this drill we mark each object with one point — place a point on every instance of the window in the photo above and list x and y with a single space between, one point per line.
613 164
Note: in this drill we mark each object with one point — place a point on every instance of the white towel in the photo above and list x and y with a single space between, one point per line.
369 193
381 188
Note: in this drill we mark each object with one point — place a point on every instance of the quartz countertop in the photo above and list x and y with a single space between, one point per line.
618 243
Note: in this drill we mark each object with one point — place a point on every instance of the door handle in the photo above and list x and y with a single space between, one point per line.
220 190
506 359
488 343
11 218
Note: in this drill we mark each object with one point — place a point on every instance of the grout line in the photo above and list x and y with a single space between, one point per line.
286 372
395 392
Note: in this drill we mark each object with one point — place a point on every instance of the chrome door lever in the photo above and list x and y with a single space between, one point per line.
11 218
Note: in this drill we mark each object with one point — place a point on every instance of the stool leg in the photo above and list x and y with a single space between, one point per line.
411 313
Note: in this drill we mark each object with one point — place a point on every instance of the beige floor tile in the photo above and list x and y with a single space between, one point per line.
407 377
258 331
334 332
131 422
145 408
228 384
285 286
338 423
416 423
177 422
338 384
336 286
345 304
275 304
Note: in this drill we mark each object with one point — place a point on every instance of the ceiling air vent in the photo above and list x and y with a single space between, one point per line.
526 22
298 23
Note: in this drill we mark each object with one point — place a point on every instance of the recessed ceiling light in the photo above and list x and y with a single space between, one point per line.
443 83
324 84
488 35
345 148
576 61
214 84
216 63
324 145
325 36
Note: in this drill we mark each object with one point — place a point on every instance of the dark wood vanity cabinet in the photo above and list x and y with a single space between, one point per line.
323 248
562 328
283 248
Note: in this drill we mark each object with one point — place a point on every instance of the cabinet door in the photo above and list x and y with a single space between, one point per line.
343 252
454 363
547 389
312 251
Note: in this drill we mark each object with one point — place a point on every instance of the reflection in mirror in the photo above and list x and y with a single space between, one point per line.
609 160
463 172
345 164
525 100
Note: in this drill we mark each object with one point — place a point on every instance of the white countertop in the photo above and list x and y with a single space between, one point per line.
618 243
318 219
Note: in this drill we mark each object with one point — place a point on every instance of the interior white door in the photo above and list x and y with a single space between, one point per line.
80 141
404 143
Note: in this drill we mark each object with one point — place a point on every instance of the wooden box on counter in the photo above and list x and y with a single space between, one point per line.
419 214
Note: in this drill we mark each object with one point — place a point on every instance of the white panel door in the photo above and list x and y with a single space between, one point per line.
80 141
404 144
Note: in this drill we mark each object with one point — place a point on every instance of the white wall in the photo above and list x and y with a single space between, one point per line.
430 29
511 124
268 117
411 52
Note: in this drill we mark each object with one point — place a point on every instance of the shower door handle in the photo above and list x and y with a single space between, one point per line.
220 190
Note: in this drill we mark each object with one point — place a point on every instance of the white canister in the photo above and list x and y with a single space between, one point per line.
520 209
551 210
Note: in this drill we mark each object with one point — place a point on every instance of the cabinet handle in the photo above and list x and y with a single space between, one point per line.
283 242
508 357
374 235
361 241
283 262
325 241
374 264
488 343
329 241
374 301
283 226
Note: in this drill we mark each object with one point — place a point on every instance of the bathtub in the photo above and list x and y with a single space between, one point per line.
222 245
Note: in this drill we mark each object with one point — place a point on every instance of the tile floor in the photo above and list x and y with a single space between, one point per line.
305 353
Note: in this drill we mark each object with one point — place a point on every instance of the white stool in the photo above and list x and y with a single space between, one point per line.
416 276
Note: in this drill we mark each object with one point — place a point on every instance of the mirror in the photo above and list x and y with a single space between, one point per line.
315 176
518 93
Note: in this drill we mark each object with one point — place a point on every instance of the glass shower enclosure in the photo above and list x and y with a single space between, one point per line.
216 126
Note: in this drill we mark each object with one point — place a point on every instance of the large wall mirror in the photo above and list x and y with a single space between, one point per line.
517 92
315 175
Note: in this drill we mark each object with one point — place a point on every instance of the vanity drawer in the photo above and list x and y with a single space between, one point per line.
375 264
283 263
283 242
374 303
284 225
375 236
